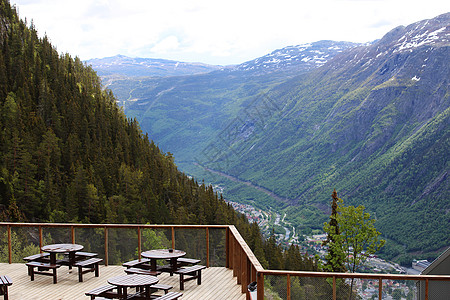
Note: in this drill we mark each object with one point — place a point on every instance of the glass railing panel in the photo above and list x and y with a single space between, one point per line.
217 245
156 238
56 235
192 241
122 245
24 242
275 287
92 239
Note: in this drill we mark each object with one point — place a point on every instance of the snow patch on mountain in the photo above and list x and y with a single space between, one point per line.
301 57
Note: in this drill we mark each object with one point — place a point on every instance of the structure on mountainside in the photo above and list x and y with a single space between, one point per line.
437 289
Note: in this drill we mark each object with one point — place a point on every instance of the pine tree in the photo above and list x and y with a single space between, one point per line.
334 258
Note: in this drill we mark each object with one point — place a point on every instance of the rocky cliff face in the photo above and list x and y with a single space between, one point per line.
407 74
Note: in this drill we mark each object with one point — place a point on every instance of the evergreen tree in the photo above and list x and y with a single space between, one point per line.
334 257
357 238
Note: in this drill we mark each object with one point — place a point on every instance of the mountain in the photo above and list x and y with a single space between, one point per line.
297 58
372 122
127 66
199 106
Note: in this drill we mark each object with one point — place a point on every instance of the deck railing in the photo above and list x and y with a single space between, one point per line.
216 245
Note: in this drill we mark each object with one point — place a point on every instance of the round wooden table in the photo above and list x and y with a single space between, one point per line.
171 254
141 282
54 249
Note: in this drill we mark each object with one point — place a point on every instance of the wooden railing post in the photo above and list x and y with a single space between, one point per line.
72 234
41 243
380 288
9 244
260 286
244 278
227 248
207 247
288 287
237 261
334 288
426 289
139 242
106 246
173 237
253 275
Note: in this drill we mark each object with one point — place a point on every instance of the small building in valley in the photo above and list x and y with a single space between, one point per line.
436 289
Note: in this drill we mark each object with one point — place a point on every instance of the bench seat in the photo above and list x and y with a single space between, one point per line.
136 263
90 264
41 257
100 291
142 271
5 281
163 287
194 272
170 296
41 269
83 255
183 261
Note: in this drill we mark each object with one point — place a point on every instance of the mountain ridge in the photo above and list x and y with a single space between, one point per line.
140 67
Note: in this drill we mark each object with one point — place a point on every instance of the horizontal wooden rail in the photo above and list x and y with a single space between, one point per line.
75 225
356 275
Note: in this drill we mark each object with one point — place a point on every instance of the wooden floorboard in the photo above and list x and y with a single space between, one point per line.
217 283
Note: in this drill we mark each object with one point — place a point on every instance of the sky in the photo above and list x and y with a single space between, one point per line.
219 32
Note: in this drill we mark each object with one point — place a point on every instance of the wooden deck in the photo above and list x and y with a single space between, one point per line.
217 283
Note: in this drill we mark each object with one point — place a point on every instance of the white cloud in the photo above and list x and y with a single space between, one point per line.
213 31
168 44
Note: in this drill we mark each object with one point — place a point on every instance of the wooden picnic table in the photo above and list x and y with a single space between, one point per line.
141 282
70 249
167 254
5 281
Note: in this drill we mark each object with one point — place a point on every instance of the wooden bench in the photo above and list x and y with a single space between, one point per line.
5 281
169 296
136 263
101 291
41 257
183 261
194 272
84 255
160 286
41 268
79 255
91 265
142 271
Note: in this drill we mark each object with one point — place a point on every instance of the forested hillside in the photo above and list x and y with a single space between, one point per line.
68 152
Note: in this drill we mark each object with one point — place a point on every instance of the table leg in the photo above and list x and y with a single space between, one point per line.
71 259
52 258
122 292
153 264
173 265
147 291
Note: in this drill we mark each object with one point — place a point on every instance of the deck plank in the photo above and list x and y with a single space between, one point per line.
217 283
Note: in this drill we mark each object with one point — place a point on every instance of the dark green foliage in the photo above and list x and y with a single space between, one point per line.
68 152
